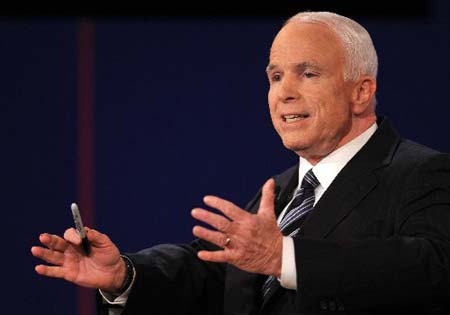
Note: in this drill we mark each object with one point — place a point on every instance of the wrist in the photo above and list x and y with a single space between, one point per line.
279 261
126 275
277 258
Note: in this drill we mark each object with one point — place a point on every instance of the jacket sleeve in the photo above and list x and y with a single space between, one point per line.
170 279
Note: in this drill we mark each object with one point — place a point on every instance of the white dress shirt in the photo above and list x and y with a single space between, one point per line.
326 171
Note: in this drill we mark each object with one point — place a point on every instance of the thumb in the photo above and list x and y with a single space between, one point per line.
266 206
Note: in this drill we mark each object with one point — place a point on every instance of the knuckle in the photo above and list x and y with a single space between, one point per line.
240 256
224 225
52 242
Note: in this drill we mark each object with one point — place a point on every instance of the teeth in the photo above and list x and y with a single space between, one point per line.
295 117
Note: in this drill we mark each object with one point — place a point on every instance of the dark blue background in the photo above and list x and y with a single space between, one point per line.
180 112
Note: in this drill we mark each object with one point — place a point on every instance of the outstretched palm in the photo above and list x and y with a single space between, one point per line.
102 269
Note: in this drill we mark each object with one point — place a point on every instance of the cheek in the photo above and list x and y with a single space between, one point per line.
335 120
270 97
272 103
329 119
331 105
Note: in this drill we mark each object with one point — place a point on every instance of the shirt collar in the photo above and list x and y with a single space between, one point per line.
330 166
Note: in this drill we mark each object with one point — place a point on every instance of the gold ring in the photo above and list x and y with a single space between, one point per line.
227 241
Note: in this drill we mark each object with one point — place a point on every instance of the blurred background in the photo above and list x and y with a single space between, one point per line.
136 113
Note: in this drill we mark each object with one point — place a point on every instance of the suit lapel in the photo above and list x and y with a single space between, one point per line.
338 201
328 213
352 184
285 187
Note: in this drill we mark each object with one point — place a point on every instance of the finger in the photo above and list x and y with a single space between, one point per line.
267 199
48 255
216 256
71 235
98 239
50 271
214 237
217 221
54 242
226 207
94 237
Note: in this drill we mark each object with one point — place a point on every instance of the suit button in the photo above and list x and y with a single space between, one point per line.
324 305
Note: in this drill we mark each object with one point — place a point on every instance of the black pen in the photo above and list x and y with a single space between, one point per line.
80 228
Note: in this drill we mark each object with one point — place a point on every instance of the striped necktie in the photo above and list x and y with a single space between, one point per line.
300 206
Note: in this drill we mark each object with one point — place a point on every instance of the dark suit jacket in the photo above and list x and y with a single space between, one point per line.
377 242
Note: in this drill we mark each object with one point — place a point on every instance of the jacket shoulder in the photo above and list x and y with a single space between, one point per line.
414 153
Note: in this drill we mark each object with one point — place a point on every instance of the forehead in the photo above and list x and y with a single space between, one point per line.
306 42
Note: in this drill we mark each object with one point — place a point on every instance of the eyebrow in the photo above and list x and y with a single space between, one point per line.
302 66
270 67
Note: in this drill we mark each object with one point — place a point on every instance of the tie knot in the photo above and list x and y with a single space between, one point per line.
310 180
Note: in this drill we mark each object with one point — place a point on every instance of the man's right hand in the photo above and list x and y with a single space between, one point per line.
103 269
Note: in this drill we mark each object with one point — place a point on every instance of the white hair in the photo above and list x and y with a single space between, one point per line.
360 54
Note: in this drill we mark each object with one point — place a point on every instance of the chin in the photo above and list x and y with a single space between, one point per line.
295 146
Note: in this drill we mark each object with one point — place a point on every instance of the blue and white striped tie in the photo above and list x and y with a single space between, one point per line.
301 205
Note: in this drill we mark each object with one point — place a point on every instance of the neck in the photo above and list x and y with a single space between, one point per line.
359 126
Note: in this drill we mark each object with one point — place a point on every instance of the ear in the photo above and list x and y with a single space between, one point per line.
363 95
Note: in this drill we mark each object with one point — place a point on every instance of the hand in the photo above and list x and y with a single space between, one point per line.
102 269
255 241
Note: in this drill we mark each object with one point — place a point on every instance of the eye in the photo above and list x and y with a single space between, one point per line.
308 74
275 77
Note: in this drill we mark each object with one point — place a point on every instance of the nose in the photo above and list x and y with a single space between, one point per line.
288 91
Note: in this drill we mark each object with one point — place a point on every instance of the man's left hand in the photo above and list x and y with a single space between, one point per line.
251 242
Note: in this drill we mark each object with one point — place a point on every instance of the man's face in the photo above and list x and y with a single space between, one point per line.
309 100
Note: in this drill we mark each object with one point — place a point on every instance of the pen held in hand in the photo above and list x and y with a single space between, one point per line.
80 228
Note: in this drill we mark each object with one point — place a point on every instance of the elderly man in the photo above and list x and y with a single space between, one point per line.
360 224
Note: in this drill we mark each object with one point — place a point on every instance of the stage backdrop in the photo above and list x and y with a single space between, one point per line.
137 118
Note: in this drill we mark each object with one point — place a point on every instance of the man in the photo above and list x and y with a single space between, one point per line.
360 225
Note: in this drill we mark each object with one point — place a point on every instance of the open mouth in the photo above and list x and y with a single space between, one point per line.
294 117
